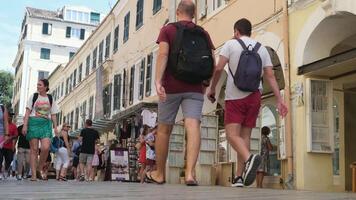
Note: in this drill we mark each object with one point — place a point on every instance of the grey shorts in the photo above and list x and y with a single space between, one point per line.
191 102
85 158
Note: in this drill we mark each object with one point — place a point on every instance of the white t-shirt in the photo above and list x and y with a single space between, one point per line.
232 51
42 107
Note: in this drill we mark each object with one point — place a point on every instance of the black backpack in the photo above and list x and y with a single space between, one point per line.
248 73
190 59
35 97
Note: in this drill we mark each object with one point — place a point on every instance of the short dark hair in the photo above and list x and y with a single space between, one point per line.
45 83
243 26
265 130
187 7
88 122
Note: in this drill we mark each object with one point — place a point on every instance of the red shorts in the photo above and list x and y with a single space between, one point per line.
243 111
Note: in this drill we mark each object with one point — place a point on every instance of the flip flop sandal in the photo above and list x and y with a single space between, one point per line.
151 180
191 183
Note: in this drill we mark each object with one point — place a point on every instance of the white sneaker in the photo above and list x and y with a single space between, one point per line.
237 182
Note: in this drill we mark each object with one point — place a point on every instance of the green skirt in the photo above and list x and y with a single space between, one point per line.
39 128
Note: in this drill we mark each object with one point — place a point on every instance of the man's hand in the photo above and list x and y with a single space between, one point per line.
282 108
211 95
161 92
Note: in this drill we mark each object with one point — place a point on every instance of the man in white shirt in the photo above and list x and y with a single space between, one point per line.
242 107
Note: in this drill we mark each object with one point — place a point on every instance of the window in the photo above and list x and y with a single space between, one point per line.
107 100
157 4
24 32
126 26
71 119
76 119
83 112
67 86
62 88
107 45
71 54
77 16
74 78
139 14
94 18
132 79
64 119
75 33
217 4
80 72
149 74
116 38
142 79
42 75
68 31
82 34
117 91
87 66
45 53
95 54
101 48
91 107
319 112
124 91
46 29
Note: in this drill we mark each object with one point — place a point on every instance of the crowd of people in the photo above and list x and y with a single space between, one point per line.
186 70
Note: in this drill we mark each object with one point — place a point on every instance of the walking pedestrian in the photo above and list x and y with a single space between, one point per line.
4 132
8 148
89 137
40 119
243 95
266 147
62 153
184 66
23 155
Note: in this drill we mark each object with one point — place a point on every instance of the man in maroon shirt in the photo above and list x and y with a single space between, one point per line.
174 93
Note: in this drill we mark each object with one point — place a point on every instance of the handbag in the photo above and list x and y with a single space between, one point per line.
56 144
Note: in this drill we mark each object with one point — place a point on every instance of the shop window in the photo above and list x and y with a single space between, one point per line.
319 116
336 154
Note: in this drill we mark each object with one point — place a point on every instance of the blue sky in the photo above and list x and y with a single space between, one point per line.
11 15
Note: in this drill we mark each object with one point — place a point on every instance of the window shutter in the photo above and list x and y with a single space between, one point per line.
68 31
45 28
82 34
319 116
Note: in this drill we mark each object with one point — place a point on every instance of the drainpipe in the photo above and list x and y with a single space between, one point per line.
288 120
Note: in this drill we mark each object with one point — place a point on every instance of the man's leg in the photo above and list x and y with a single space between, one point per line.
233 135
90 169
161 147
193 146
245 134
82 163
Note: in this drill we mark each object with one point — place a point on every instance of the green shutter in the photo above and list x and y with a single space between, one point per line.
68 31
82 34
45 28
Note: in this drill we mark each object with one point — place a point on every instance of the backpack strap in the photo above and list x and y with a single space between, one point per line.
257 47
34 98
50 98
179 36
243 45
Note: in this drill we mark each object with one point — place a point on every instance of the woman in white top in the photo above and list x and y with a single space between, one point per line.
41 111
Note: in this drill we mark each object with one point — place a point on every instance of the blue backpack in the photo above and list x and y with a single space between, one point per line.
56 143
248 73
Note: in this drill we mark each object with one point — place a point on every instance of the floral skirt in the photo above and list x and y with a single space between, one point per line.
39 128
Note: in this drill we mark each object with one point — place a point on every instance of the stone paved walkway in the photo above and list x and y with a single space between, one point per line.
10 190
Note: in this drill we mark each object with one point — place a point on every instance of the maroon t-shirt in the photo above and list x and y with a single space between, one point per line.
171 84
